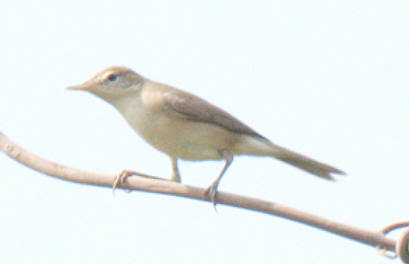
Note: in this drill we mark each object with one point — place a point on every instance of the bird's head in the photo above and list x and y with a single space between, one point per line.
112 84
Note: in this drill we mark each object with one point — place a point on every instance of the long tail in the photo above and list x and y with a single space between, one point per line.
312 166
250 145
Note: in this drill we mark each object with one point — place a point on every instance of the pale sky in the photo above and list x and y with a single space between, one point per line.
327 79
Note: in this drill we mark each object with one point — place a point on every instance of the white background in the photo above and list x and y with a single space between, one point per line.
328 79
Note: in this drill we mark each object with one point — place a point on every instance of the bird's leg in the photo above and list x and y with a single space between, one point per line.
175 171
211 191
121 177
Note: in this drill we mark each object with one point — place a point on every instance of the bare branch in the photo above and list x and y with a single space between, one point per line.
373 238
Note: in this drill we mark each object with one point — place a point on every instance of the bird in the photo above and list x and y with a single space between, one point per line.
186 127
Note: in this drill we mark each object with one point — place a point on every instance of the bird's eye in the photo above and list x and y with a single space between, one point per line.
112 77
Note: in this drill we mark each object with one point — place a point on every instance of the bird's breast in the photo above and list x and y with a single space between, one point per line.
178 137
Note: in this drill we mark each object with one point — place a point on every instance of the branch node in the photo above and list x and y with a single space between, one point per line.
14 152
401 246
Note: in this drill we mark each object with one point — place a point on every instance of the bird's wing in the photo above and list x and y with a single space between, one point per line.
193 108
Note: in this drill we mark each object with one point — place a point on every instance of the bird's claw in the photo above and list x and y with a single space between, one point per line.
120 179
211 194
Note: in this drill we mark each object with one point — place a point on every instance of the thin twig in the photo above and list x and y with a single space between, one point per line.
369 237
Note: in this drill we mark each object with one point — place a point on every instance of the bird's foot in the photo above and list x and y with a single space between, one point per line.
211 194
120 178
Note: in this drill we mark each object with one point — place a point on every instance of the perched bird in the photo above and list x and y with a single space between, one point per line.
184 126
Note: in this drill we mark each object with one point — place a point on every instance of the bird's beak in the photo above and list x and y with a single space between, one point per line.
80 87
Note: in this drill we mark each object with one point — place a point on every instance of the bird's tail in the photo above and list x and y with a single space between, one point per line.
263 147
307 164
